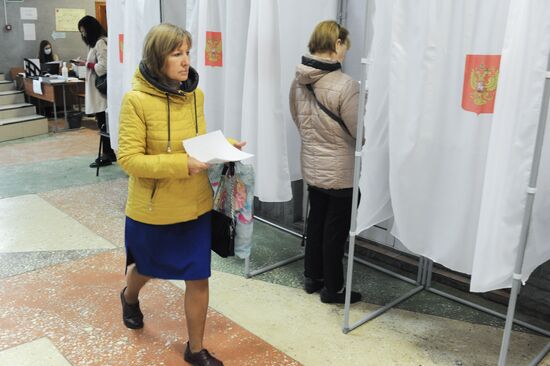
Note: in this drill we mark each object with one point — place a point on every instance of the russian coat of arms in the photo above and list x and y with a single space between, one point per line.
480 83
213 51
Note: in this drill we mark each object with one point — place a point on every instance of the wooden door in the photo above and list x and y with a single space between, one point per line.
101 13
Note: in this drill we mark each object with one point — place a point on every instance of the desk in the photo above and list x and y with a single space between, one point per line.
54 93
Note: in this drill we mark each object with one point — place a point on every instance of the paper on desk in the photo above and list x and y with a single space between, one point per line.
213 148
37 86
55 80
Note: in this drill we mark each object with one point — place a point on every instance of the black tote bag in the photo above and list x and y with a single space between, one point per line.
223 226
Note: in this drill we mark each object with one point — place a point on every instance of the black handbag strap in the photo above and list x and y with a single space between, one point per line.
328 111
229 169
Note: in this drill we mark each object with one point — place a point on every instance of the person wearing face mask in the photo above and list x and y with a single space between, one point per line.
45 52
95 37
323 104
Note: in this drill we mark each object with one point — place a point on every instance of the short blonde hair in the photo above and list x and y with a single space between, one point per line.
325 35
159 42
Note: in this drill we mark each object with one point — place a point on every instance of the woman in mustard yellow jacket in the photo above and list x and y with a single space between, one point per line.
167 233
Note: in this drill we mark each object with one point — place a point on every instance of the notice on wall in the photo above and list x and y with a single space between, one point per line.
29 32
28 13
66 20
58 35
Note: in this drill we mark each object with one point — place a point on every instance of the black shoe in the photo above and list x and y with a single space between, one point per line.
201 358
338 297
100 162
311 285
131 313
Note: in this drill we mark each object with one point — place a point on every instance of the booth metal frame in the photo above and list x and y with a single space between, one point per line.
426 265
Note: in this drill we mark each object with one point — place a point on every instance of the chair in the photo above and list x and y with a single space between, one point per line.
14 73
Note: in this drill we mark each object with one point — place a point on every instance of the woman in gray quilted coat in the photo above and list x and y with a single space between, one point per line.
323 104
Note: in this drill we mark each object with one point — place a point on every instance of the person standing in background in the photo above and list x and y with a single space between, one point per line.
45 52
327 154
95 38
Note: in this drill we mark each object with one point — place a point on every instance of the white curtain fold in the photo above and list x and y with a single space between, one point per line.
262 108
523 67
132 19
247 97
430 163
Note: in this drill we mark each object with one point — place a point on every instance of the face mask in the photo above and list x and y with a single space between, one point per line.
47 51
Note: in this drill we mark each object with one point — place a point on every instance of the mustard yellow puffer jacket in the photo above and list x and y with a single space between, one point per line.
154 120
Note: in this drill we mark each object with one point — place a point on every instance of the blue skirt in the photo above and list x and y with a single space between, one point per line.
177 251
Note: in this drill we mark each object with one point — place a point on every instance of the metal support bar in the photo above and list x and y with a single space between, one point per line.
487 310
355 195
386 271
342 15
64 107
518 267
251 273
282 228
425 270
421 264
429 271
383 309
540 356
273 266
54 113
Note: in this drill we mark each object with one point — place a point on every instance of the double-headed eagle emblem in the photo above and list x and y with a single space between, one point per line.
214 50
213 54
483 81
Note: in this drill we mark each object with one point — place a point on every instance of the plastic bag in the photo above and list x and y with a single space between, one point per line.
239 187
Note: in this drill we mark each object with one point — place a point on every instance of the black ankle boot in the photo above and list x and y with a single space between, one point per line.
201 358
131 313
101 162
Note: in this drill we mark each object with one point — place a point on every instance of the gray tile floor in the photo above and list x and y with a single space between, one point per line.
67 183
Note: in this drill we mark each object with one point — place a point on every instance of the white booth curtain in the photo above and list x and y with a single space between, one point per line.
450 168
247 89
511 145
246 94
129 21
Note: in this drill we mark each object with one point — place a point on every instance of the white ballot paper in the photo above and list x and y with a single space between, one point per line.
213 148
37 86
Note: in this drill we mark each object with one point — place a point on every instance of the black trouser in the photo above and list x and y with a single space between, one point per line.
327 230
107 152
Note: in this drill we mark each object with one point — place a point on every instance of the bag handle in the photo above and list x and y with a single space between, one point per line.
227 175
328 111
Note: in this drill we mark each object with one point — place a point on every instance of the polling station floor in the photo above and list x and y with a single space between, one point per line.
62 268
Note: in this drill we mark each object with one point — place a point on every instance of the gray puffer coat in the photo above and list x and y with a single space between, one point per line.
327 149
